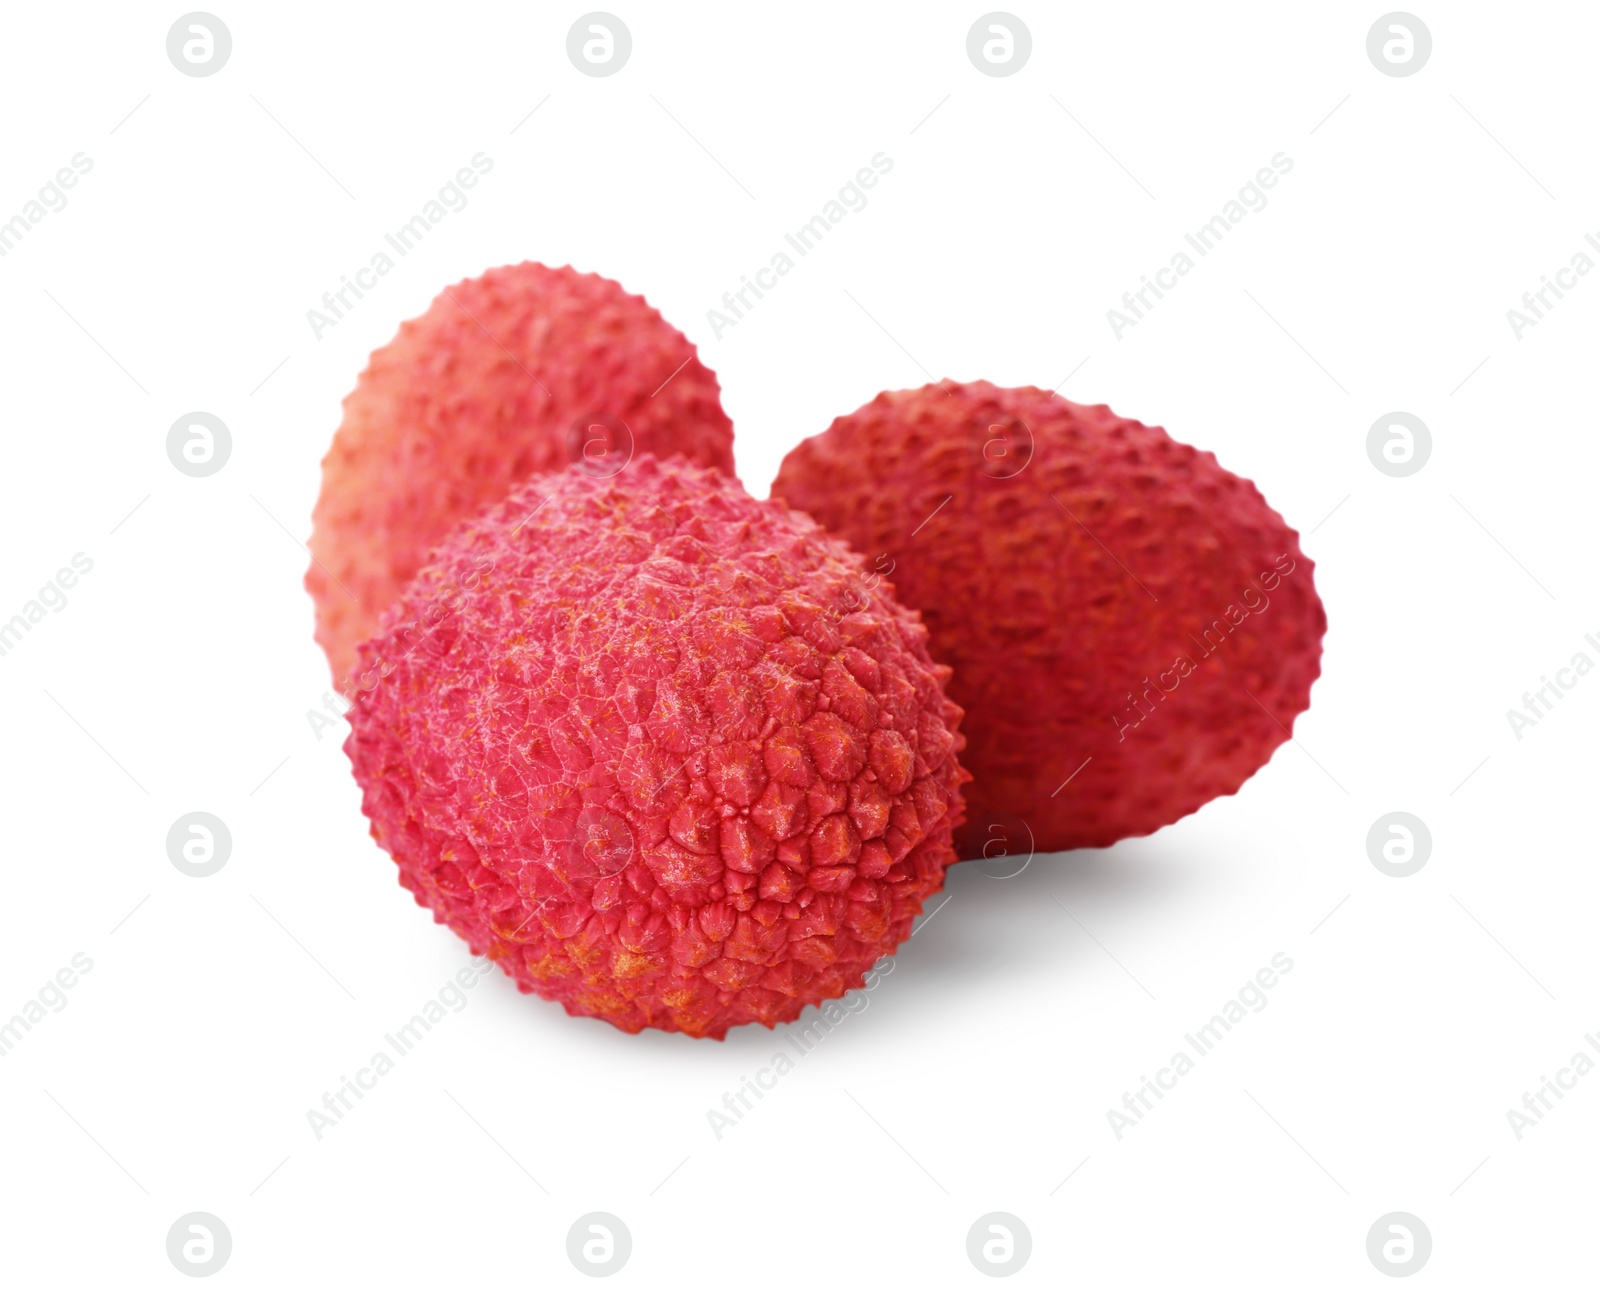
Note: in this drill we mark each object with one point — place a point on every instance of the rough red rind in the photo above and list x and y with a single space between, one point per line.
1071 559
476 395
667 754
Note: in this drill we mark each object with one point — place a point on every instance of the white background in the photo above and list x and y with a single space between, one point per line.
179 674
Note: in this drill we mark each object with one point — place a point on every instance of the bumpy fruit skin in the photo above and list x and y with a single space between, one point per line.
1132 628
666 753
524 369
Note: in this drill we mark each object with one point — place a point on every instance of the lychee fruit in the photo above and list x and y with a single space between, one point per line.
671 756
524 369
1132 628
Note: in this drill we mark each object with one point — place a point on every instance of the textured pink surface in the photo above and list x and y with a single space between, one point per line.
668 754
486 388
1131 627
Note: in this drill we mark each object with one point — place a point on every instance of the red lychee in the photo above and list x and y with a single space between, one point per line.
524 369
668 754
1132 628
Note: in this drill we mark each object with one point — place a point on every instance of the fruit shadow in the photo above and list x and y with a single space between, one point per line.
993 924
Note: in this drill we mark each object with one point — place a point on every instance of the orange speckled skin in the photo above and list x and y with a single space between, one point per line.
1117 608
667 754
474 396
